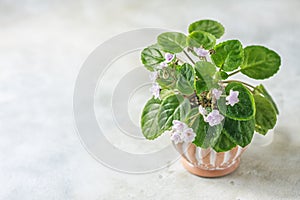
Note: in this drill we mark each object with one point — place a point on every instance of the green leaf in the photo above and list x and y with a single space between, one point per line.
206 136
185 79
149 119
183 110
221 75
228 55
201 39
172 42
260 89
210 26
164 93
260 62
244 109
174 107
167 78
200 86
224 143
212 135
205 72
157 115
196 122
240 132
265 116
151 56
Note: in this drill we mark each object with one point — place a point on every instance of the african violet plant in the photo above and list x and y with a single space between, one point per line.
195 99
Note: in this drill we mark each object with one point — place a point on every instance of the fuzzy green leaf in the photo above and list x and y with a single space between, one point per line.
221 75
240 132
196 122
212 133
210 26
265 116
260 62
151 56
185 79
206 136
164 93
149 119
244 109
174 107
205 72
228 55
172 42
201 39
200 86
224 143
167 78
260 89
157 115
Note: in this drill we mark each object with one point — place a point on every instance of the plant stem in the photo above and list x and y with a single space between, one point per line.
180 60
203 58
230 81
187 55
194 116
233 73
193 120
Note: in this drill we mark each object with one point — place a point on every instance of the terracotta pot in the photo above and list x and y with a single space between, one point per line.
207 162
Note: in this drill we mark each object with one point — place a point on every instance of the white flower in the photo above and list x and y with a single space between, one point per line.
176 137
232 98
155 90
162 65
201 52
216 93
188 135
202 110
179 126
153 76
169 57
181 132
214 118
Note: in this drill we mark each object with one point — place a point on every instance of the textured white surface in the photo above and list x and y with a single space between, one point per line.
42 46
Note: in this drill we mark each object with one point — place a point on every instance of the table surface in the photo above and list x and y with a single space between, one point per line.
42 47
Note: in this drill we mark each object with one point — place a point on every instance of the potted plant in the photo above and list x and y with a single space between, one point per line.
210 117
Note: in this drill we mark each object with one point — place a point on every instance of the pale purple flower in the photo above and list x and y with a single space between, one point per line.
214 118
153 76
181 132
155 90
179 126
176 137
232 98
168 132
188 135
202 110
169 57
216 93
201 52
162 65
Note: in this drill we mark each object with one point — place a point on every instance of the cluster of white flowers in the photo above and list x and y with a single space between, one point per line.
214 117
181 132
155 89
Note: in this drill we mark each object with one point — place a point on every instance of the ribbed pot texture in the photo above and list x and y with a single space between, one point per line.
208 162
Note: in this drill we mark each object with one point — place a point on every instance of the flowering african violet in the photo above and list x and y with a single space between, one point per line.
195 99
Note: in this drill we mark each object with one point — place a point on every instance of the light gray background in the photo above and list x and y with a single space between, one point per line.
42 47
